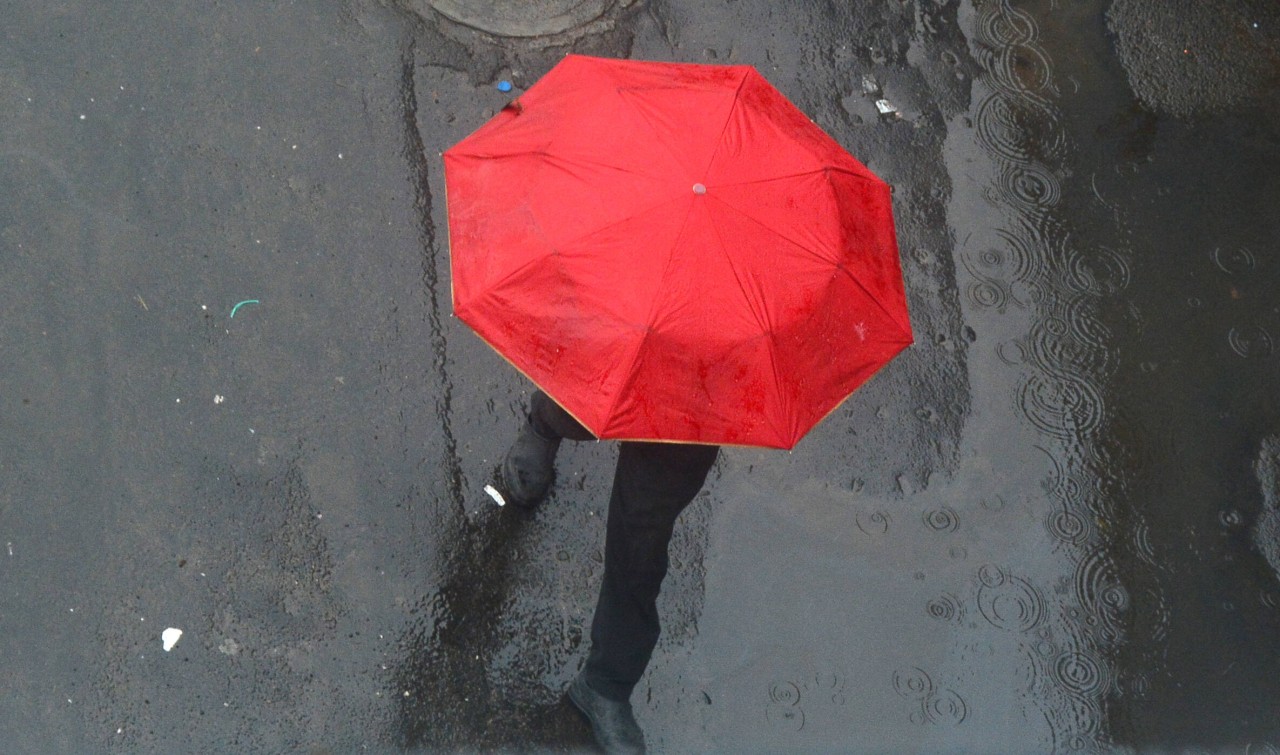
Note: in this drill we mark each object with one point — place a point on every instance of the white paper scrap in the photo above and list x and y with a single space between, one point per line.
170 638
495 495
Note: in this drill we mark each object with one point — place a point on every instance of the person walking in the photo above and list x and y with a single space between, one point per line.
652 484
677 253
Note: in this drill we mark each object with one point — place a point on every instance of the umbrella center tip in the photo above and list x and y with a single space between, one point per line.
699 189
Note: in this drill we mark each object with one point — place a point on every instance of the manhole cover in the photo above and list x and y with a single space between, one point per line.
525 18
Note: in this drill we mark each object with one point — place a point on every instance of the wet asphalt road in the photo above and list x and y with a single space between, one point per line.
1052 525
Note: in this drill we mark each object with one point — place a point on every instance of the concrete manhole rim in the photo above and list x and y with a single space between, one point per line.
529 18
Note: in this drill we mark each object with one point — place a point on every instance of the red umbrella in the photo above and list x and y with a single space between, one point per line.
674 252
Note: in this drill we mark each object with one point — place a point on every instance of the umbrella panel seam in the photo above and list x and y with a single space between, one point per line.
888 315
648 321
556 249
767 332
823 169
803 247
766 326
737 93
553 155
670 152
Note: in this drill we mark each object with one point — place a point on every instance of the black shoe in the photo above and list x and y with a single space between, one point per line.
612 722
529 469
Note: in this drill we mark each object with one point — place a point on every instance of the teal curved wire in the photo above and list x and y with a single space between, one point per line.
241 304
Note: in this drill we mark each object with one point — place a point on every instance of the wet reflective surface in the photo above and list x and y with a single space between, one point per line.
1052 525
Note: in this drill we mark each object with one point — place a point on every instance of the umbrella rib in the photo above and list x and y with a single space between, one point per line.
802 174
776 232
765 326
767 332
888 315
665 145
728 118
488 290
574 160
648 320
555 249
625 388
778 383
562 158
618 222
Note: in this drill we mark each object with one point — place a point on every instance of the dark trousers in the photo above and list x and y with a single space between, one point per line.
652 484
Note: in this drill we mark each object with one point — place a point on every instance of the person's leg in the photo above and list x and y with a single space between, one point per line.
551 421
529 467
653 483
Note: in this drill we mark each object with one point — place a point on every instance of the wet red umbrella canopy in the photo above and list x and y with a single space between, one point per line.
674 252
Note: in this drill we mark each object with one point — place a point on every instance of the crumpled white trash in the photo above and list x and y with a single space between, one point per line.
170 638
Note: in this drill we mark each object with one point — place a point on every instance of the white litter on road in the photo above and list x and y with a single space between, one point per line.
170 638
495 495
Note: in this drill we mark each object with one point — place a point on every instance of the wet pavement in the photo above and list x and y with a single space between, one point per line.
1051 525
